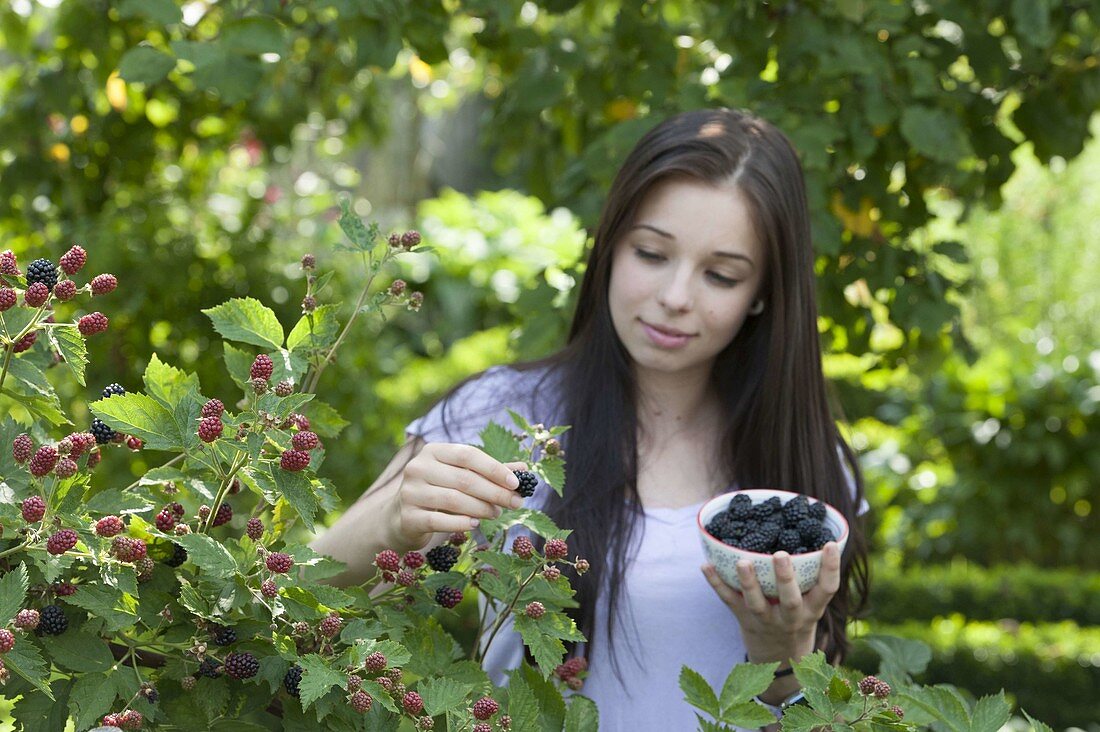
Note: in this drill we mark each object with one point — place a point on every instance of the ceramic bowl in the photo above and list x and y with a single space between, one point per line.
724 557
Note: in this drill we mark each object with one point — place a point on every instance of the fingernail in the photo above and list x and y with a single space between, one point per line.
516 502
474 523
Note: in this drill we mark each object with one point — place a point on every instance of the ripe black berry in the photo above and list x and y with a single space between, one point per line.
817 511
241 665
103 433
209 668
179 556
442 558
527 482
448 597
225 636
52 621
223 516
44 271
111 390
292 679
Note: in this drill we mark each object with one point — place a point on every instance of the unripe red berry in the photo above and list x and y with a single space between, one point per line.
867 685
556 549
128 549
165 520
882 689
7 298
176 508
305 440
104 283
415 301
27 619
412 702
394 240
331 625
7 640
279 562
223 516
34 508
387 560
413 559
284 388
294 460
505 722
64 589
308 261
535 610
134 443
574 682
386 683
361 701
259 385
406 578
309 304
254 529
144 568
64 290
21 448
448 597
112 720
262 367
375 662
212 408
93 459
44 460
92 323
551 573
61 541
25 343
582 566
8 263
410 238
269 589
72 260
204 512
482 727
397 287
109 526
188 683
522 547
210 429
457 538
898 711
36 295
485 707
298 420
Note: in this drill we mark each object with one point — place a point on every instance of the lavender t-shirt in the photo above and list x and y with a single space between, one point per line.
669 615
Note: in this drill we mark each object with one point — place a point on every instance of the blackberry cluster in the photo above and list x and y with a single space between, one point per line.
796 527
242 665
52 621
103 434
225 636
442 558
179 556
112 389
209 668
44 271
292 679
527 482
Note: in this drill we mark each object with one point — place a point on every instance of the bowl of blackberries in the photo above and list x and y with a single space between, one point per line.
755 524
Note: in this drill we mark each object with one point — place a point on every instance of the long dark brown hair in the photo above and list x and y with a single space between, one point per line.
778 429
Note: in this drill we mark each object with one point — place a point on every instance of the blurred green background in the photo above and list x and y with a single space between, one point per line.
198 149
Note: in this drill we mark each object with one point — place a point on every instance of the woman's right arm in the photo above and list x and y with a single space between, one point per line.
427 492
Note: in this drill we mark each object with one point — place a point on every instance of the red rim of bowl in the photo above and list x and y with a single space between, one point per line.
837 514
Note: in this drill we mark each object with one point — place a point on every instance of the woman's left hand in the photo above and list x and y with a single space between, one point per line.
784 630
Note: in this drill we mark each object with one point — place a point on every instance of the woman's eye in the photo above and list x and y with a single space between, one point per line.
723 280
648 255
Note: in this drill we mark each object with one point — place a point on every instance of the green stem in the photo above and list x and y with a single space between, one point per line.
14 549
238 463
170 463
310 389
478 656
7 360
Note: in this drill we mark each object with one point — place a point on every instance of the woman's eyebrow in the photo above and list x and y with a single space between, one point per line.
670 237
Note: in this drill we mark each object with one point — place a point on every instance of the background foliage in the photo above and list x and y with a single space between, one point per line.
195 149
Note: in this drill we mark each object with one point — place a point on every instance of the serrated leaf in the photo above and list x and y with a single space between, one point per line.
70 344
237 363
697 691
499 443
324 420
441 695
117 501
317 678
116 609
1036 725
46 408
899 657
208 555
935 133
745 681
25 660
547 650
143 416
797 719
295 489
145 65
167 384
990 713
91 697
551 704
247 320
581 715
949 706
523 707
13 590
552 470
315 330
430 648
79 651
748 714
839 691
361 237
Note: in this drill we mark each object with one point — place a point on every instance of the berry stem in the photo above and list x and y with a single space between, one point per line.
478 656
8 351
14 549
238 463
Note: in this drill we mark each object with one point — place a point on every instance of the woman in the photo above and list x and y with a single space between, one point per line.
692 366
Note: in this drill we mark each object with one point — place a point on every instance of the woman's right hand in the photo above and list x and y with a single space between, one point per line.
449 487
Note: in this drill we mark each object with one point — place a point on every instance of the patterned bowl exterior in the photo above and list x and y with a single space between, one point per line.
724 557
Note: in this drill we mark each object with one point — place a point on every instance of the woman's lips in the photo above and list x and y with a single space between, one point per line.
663 339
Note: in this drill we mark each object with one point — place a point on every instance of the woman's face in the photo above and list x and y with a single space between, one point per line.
684 276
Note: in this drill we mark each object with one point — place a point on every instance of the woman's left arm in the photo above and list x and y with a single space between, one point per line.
783 631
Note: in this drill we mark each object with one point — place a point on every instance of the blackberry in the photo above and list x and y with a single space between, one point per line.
209 668
789 541
720 525
112 389
72 260
738 529
448 597
809 530
442 558
241 665
52 621
279 562
36 295
224 636
104 283
760 512
817 511
44 271
150 692
770 531
556 549
33 509
485 707
294 460
527 482
292 679
179 556
103 434
223 516
795 510
753 541
774 504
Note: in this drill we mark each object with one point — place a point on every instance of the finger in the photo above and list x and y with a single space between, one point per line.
828 582
420 521
790 597
753 595
726 592
471 458
470 482
450 500
516 466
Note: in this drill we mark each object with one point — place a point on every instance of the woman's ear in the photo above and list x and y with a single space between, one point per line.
757 307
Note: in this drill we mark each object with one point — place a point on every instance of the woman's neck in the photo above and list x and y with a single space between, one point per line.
671 404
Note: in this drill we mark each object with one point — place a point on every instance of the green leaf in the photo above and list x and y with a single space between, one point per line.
91 697
839 691
990 713
950 706
1036 725
361 237
79 651
935 134
697 691
39 713
900 657
523 708
25 660
13 590
145 65
550 701
295 489
552 470
581 715
796 719
745 681
168 384
547 649
45 408
116 609
143 416
164 12
238 362
254 36
70 344
430 648
748 714
209 555
247 320
315 330
317 678
441 695
324 420
117 501
499 443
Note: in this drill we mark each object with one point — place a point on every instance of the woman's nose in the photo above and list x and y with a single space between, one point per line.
676 295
